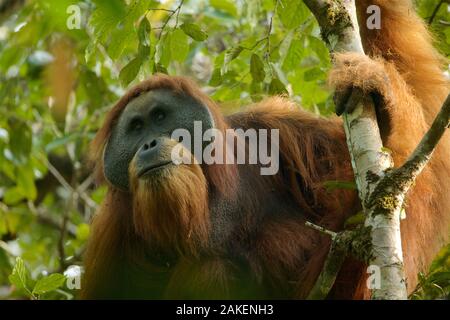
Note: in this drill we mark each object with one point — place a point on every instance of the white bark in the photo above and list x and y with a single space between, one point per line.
364 141
365 146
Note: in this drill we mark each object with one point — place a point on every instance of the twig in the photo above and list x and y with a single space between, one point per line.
66 218
160 9
91 203
86 183
332 234
75 258
50 221
332 266
266 38
407 173
257 43
433 136
269 31
435 11
333 263
176 11
61 239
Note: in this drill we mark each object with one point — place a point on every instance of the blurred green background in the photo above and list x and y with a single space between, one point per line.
63 64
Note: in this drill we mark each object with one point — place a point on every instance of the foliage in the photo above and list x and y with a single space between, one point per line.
56 83
436 284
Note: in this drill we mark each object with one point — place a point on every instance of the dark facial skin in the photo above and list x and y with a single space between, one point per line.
144 130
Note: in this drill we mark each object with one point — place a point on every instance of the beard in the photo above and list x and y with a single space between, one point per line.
170 208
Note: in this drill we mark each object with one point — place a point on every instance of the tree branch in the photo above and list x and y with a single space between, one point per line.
332 265
422 154
340 31
331 268
169 17
78 192
435 11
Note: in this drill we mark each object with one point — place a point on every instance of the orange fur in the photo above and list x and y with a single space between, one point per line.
307 148
170 211
280 251
286 254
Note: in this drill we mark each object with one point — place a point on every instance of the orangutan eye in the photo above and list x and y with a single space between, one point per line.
158 115
136 125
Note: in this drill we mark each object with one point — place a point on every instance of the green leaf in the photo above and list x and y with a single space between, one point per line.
159 68
20 275
136 9
144 32
402 214
62 141
105 17
179 46
442 278
13 196
256 91
277 87
20 139
49 283
216 78
311 93
5 265
124 33
230 55
120 37
144 52
342 185
99 194
292 13
96 89
314 74
25 181
163 49
320 49
130 71
257 68
356 219
226 6
293 56
83 231
89 52
194 31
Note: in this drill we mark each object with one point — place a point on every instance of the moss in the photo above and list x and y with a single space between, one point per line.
334 19
385 198
372 177
357 243
386 203
362 244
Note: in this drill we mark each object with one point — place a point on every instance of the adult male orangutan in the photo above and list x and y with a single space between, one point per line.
226 231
